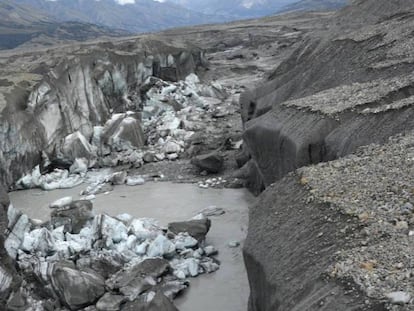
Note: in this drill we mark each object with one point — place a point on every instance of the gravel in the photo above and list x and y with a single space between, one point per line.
376 187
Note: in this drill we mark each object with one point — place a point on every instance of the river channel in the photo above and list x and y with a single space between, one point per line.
226 289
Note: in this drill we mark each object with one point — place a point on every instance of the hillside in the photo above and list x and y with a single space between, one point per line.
234 9
22 24
315 5
141 16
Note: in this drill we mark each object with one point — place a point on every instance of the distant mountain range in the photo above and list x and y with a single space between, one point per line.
133 16
234 9
315 5
151 15
20 24
49 21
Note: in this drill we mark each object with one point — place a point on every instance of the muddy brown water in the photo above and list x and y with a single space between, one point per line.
226 289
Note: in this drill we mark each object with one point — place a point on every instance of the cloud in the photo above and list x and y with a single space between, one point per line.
122 2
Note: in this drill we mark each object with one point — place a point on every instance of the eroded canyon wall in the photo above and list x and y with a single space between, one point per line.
341 89
77 93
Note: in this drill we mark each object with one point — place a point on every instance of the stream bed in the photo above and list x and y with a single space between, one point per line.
225 289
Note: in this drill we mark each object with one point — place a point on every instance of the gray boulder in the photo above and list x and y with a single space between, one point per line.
74 216
76 146
161 302
158 302
76 289
198 229
212 162
17 301
118 178
105 265
18 225
149 157
123 132
110 302
172 288
134 280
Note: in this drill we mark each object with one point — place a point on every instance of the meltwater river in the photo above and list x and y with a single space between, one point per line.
226 289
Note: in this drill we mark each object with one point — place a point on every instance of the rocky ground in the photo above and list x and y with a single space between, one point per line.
375 187
341 227
154 107
267 96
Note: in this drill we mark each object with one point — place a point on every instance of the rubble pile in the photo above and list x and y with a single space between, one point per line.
77 259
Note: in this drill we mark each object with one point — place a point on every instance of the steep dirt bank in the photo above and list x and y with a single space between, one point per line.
341 89
329 96
288 268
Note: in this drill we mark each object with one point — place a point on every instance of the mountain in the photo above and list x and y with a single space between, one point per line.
22 24
130 15
315 5
233 9
46 22
152 15
239 9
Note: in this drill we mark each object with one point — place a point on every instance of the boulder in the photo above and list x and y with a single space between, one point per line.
169 123
105 265
188 267
184 240
76 146
198 229
123 132
161 302
17 301
149 157
77 213
39 242
145 228
212 162
18 225
161 247
109 230
137 278
76 289
118 178
152 302
110 302
138 304
171 147
80 166
171 289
